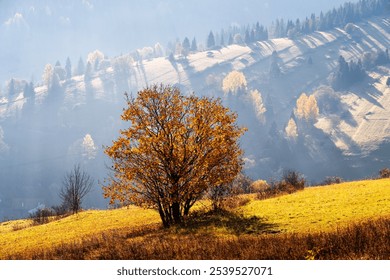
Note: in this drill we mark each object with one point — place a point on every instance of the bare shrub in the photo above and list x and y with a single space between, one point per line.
218 195
42 216
384 173
240 185
332 180
294 179
290 182
20 226
60 210
75 186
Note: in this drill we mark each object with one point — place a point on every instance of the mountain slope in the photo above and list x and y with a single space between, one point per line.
72 120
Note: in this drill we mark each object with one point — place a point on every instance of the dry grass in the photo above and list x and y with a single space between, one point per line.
70 229
325 208
368 240
345 221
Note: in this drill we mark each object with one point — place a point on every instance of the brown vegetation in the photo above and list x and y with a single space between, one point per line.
247 238
290 182
227 196
384 173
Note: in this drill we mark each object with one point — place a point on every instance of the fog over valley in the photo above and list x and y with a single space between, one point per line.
309 79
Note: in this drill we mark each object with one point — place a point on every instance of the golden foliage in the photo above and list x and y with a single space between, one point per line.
176 148
259 186
307 107
291 129
233 82
258 104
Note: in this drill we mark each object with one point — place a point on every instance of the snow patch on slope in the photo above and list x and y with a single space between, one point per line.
370 112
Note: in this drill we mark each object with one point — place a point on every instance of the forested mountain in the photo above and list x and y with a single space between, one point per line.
313 93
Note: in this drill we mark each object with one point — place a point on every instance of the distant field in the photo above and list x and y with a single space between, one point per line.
314 210
325 208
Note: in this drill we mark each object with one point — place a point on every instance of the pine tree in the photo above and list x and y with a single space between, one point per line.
11 87
68 68
230 42
222 43
80 67
274 68
194 45
88 72
247 37
210 40
29 91
29 95
55 83
310 61
186 46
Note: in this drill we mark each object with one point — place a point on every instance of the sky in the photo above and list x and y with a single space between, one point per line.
34 33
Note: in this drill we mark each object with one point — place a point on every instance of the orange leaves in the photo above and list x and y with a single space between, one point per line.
175 148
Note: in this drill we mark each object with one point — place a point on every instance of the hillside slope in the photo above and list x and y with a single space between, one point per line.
325 208
313 210
73 120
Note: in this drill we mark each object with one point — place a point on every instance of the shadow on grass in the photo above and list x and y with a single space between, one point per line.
232 223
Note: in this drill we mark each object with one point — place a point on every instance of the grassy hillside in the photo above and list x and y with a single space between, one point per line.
318 213
70 229
325 208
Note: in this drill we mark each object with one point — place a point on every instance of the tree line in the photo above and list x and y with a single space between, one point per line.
349 73
280 28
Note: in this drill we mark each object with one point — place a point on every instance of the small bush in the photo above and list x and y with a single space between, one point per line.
19 226
332 180
218 195
291 182
258 186
293 179
241 184
60 210
384 173
41 216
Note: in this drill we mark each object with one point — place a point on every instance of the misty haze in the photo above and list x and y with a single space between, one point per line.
308 79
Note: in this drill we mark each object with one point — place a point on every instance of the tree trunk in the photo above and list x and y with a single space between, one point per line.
187 206
176 215
163 217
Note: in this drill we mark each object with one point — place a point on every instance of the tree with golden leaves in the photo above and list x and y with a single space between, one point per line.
176 148
307 107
